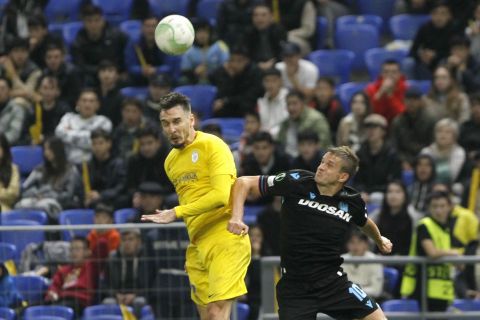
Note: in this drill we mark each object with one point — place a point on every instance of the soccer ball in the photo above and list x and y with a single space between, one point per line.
174 34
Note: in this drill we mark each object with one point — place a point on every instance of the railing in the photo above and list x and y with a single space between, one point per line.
269 264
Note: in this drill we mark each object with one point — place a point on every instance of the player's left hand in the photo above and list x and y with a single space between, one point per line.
161 216
237 226
385 245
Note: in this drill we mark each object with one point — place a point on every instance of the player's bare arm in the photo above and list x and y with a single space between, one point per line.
371 230
161 216
241 189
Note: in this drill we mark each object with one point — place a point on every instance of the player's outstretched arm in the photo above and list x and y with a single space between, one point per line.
371 230
241 189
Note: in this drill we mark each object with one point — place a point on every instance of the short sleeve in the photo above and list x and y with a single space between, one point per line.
359 213
279 185
422 233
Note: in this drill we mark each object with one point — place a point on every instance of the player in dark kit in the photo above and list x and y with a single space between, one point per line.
316 214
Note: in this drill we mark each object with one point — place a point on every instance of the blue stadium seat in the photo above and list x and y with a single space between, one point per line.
23 238
139 93
357 38
33 313
408 176
72 217
70 31
174 63
243 311
32 288
7 313
162 8
132 28
250 213
382 8
423 85
56 29
375 57
232 128
103 310
105 317
8 251
347 90
321 33
147 313
44 318
405 26
201 98
62 11
334 63
368 19
26 214
124 215
27 158
401 305
391 277
208 10
115 11
466 304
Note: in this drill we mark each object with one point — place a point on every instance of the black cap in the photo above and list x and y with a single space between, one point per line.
413 93
152 188
290 49
161 80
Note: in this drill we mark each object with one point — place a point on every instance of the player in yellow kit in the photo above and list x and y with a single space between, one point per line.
202 169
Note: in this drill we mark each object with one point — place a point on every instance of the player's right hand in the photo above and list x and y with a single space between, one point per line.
385 246
237 226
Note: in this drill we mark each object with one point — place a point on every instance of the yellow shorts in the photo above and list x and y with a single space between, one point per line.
217 266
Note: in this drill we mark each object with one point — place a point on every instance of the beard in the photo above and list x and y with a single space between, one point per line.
178 145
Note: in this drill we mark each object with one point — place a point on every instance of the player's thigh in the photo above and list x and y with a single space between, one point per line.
294 303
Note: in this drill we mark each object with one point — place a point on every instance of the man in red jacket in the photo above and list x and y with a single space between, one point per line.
387 93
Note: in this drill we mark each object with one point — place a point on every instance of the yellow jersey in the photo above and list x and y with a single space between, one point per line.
195 171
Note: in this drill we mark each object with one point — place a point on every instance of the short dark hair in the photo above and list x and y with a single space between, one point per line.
263 5
308 136
296 93
435 195
104 208
55 46
49 77
37 21
263 136
88 90
174 99
440 3
272 72
355 232
212 128
82 239
107 64
18 43
149 131
132 102
100 133
460 41
328 80
89 10
252 114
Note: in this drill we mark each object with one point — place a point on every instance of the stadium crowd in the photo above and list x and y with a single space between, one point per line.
90 99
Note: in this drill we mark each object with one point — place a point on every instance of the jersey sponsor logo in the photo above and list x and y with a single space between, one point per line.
194 156
186 178
326 208
280 176
295 175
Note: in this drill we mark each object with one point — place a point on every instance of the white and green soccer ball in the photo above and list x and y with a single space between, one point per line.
174 34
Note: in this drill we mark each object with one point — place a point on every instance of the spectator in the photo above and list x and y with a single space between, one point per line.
109 92
448 155
432 41
75 129
103 241
74 285
331 10
250 129
297 73
412 130
204 57
10 297
463 65
471 195
369 275
418 6
125 140
424 177
150 196
9 177
272 107
107 174
302 118
351 131
387 93
213 128
473 33
470 129
51 186
238 83
96 42
263 39
233 19
158 86
69 78
326 102
40 39
269 222
379 162
144 49
129 272
13 114
309 153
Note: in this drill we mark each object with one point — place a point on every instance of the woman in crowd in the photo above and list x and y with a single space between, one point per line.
351 131
424 178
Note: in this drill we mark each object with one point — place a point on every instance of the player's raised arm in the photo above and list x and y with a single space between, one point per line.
371 230
241 189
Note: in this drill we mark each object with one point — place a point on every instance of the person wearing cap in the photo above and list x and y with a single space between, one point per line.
297 73
158 86
412 130
108 90
379 162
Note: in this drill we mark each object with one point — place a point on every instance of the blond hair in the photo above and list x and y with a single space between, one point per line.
350 159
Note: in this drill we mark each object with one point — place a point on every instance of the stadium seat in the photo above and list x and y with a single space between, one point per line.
391 277
7 313
132 28
174 63
401 305
375 57
124 215
62 11
243 311
106 317
45 318
405 26
466 304
408 176
333 63
321 33
347 90
357 38
250 213
147 313
8 251
61 312
103 310
27 158
32 288
115 11
368 19
423 85
22 238
382 8
72 217
232 128
70 31
139 93
162 8
208 10
56 29
26 214
201 98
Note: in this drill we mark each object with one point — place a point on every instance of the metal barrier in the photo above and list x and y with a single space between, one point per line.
270 264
